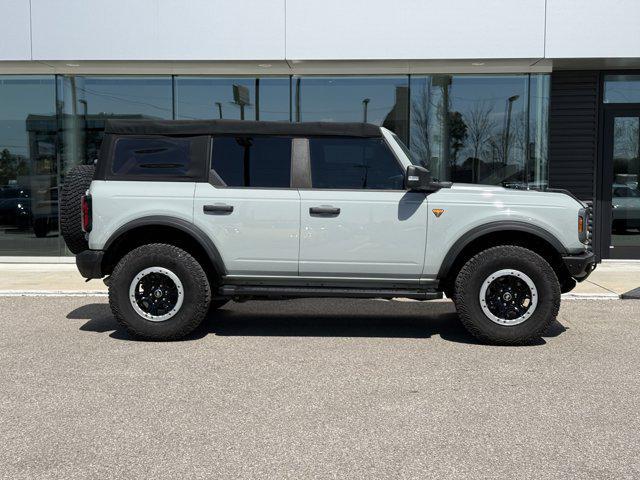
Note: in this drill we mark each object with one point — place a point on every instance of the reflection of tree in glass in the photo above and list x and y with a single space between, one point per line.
480 126
457 135
11 166
627 137
421 117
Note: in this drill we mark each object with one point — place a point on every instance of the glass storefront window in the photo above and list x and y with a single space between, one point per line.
232 98
537 171
85 102
471 128
622 89
488 129
28 166
379 100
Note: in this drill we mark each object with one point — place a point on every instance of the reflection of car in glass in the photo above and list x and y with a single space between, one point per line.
44 206
626 207
14 207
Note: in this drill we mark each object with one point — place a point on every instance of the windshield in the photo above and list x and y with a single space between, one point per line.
412 157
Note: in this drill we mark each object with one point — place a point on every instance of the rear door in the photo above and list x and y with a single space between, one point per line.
248 208
357 220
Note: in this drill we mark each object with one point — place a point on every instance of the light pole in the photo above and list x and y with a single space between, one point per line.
85 111
365 105
510 101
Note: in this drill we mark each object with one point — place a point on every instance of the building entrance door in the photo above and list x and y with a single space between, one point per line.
620 194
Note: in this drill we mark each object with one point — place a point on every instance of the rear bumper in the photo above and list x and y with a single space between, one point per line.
581 265
89 263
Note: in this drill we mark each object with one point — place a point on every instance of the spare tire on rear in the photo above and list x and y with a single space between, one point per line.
75 185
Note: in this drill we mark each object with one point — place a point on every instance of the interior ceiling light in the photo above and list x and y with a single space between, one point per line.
265 65
73 64
477 64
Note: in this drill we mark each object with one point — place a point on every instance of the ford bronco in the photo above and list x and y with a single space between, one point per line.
184 216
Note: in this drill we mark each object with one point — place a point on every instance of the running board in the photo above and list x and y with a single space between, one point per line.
238 291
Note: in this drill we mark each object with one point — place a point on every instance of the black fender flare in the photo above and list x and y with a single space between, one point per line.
180 224
497 226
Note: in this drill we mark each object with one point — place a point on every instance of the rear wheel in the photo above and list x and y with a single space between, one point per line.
507 295
159 292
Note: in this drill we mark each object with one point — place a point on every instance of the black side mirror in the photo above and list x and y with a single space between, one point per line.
418 179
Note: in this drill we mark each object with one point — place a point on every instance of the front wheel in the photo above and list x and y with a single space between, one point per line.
507 295
159 292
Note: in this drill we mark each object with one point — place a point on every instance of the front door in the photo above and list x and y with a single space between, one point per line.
357 221
620 226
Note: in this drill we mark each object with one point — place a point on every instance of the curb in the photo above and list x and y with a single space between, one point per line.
53 293
104 293
590 296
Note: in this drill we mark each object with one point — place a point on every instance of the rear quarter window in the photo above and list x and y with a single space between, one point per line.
156 157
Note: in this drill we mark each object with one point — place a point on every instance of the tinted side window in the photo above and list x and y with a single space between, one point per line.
157 157
253 161
354 163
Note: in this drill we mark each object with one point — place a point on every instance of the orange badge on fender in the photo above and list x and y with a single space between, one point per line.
437 212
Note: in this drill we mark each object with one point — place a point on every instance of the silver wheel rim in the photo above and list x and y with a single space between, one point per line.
169 290
508 297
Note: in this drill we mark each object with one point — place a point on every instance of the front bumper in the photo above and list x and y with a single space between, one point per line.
581 265
89 263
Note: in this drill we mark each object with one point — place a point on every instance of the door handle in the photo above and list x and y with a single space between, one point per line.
217 208
325 211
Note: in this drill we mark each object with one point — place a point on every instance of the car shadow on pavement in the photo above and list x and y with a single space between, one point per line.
314 318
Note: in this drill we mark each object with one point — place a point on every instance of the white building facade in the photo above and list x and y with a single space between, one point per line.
527 93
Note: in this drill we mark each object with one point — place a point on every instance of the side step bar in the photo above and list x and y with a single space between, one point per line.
319 292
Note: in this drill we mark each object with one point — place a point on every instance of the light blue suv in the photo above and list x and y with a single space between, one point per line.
183 216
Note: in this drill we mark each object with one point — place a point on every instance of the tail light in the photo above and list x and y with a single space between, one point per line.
85 202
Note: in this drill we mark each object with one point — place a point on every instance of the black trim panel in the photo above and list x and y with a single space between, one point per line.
300 163
580 266
89 263
180 224
503 225
239 127
259 291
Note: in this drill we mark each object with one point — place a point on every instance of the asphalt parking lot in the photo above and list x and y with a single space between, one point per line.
317 389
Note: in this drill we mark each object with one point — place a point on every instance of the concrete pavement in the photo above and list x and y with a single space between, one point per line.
317 389
611 279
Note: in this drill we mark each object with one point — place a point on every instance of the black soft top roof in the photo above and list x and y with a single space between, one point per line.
239 127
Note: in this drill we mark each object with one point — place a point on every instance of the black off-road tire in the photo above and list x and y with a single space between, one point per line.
197 292
469 282
75 185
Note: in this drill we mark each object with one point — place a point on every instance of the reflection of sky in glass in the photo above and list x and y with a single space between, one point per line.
336 99
21 96
622 89
204 97
149 96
